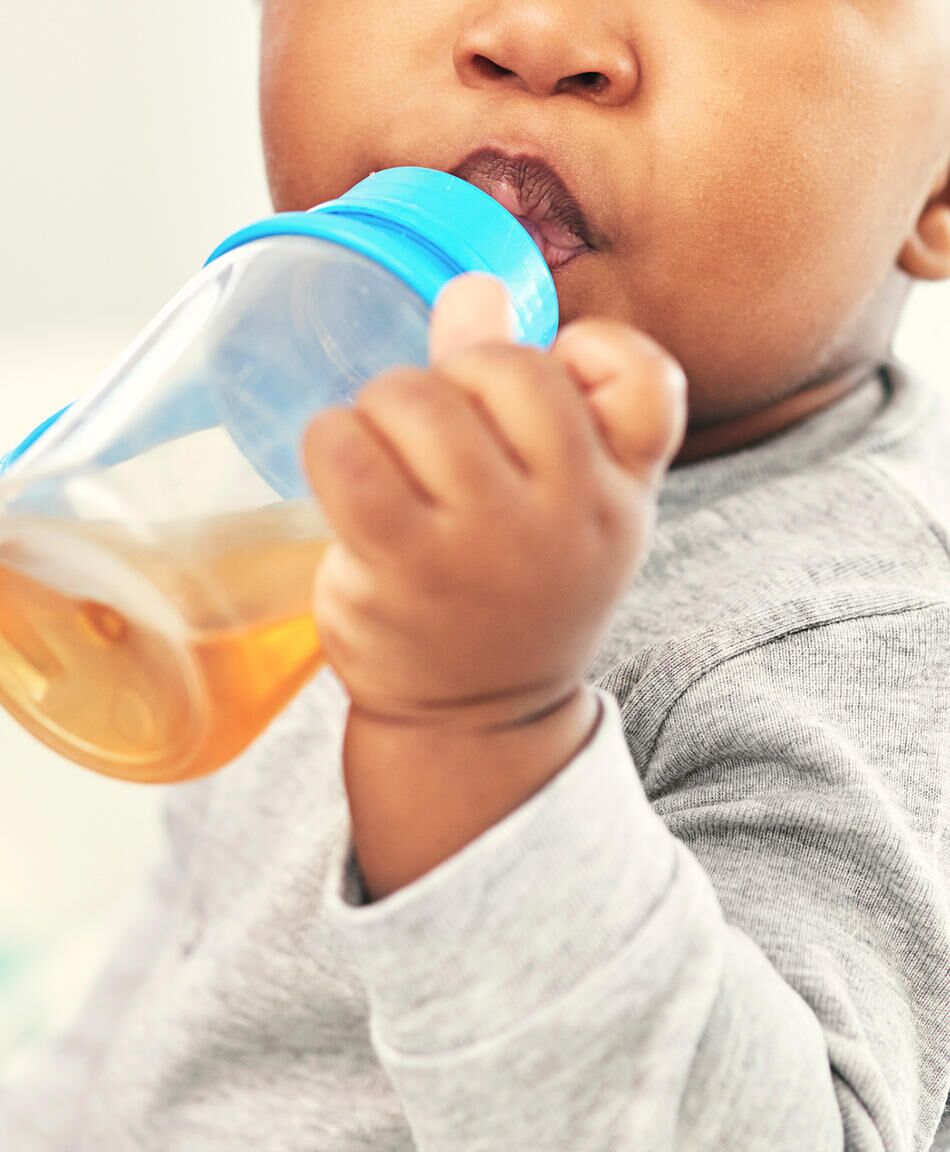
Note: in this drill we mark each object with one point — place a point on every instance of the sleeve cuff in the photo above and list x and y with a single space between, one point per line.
519 916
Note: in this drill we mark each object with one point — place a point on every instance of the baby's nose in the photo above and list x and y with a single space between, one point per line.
535 45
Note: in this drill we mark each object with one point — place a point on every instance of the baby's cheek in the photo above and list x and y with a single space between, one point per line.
326 97
772 262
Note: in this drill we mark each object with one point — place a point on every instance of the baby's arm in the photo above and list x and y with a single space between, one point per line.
39 1114
747 951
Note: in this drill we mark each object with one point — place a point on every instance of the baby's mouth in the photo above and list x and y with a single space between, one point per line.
536 196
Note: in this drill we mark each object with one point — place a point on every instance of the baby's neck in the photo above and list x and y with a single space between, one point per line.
744 431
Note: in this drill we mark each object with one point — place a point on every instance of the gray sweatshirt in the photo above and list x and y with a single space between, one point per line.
723 926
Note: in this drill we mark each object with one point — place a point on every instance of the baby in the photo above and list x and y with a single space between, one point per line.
618 821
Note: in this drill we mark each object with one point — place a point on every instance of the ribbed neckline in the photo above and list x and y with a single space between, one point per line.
885 404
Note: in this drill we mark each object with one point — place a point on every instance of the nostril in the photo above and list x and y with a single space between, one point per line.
489 67
591 81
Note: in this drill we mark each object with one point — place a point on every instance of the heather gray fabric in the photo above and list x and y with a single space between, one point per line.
724 925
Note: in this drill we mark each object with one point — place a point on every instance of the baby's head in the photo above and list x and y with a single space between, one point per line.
763 178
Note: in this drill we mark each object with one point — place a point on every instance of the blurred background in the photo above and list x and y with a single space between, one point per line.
131 147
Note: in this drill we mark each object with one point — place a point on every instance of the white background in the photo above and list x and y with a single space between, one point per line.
130 148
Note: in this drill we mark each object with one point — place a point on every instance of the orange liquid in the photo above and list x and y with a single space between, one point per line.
157 662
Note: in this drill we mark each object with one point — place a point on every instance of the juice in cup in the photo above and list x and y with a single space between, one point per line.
128 657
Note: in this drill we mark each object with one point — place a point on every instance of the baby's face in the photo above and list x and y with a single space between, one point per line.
750 168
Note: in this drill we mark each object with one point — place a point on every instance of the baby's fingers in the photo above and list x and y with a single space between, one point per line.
370 501
635 388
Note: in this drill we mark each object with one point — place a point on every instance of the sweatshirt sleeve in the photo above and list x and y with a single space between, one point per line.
38 1112
743 943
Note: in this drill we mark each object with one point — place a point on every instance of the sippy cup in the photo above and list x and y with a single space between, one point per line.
158 540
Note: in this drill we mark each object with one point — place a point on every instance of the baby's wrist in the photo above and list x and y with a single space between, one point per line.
485 716
418 793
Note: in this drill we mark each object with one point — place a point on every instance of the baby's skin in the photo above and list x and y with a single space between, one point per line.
762 183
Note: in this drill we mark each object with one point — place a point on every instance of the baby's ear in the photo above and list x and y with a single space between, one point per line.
926 255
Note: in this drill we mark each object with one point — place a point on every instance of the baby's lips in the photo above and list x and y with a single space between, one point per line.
532 190
555 253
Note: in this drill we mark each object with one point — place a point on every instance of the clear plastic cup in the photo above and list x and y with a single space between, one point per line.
158 542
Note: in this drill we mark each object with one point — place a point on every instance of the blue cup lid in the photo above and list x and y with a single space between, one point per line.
428 227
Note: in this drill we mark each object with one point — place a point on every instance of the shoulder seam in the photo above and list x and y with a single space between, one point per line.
812 626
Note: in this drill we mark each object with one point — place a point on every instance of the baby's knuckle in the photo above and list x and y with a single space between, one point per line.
654 439
597 329
610 514
356 464
660 370
433 568
404 384
335 443
327 428
496 359
534 364
640 345
632 349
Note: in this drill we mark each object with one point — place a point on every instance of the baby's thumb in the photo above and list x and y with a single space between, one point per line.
470 309
635 389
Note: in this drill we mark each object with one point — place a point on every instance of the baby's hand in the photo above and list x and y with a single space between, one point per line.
489 511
